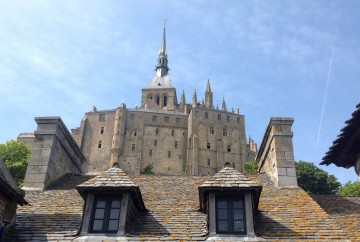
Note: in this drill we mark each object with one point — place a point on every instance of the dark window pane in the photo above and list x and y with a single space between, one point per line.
114 213
115 204
222 203
99 213
237 204
239 226
97 225
113 225
100 204
223 226
238 214
222 213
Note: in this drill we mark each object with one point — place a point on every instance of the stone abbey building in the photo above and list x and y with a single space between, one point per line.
173 137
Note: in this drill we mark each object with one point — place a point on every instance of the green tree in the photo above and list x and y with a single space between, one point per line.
15 155
250 168
352 189
315 180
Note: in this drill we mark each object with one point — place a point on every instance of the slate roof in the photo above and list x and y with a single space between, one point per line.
345 148
173 213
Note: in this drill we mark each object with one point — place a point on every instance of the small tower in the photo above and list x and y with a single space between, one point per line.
208 96
162 68
224 105
182 101
194 100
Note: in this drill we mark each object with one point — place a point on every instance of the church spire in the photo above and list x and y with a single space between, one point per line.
162 68
224 105
208 96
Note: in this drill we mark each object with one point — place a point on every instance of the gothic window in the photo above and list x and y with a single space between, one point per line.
230 215
102 117
158 100
101 130
135 133
238 120
176 144
166 119
208 162
133 147
172 132
132 116
157 131
165 101
99 144
211 129
228 148
105 215
227 118
219 116
206 115
154 118
225 131
208 145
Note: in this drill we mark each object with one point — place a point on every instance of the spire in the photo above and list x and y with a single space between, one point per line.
194 99
162 68
182 101
224 105
208 96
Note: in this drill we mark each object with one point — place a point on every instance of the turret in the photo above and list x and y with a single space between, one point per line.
194 99
182 101
224 105
208 96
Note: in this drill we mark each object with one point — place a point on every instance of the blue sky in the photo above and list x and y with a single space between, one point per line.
269 58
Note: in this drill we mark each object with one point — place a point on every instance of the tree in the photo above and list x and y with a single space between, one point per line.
15 155
352 189
315 180
250 167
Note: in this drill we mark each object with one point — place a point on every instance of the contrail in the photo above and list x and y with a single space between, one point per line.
323 108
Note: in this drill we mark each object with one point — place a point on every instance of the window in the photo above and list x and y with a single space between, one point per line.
105 215
135 133
132 116
172 132
166 119
177 120
101 130
211 129
228 148
227 118
169 154
165 101
230 215
208 145
234 165
238 120
176 144
155 143
219 116
154 118
133 147
125 132
225 131
157 131
206 115
208 162
150 152
158 100
99 144
102 117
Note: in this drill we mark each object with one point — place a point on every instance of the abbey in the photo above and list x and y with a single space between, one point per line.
171 137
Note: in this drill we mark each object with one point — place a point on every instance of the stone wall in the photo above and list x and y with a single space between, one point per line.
54 154
276 154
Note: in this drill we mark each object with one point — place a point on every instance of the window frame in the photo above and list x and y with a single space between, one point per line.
230 212
106 218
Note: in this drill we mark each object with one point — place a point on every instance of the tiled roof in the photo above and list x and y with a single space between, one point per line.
347 139
344 210
173 213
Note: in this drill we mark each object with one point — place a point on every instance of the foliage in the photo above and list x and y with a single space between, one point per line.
251 168
148 169
315 180
15 155
352 189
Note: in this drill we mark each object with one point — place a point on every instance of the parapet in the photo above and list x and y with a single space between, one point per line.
276 153
54 154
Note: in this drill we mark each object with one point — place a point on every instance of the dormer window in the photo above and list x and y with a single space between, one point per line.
230 215
106 215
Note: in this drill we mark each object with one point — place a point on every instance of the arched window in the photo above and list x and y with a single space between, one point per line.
165 101
135 133
225 131
211 129
158 100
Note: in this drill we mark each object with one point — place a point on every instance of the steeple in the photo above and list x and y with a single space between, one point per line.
162 68
182 100
208 96
224 105
194 99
